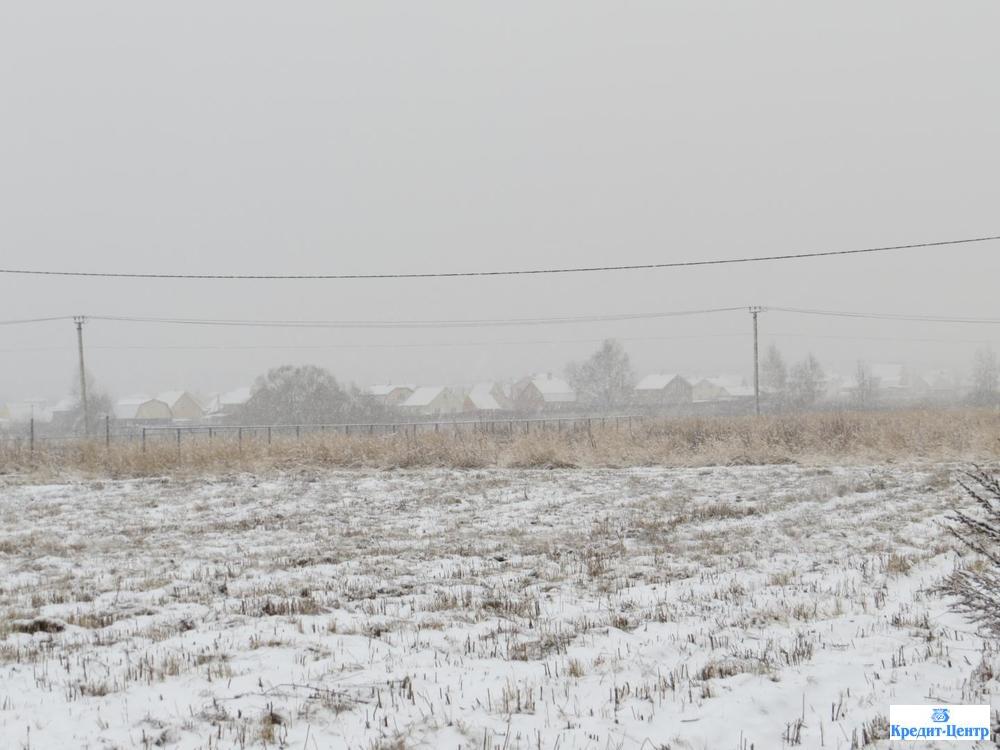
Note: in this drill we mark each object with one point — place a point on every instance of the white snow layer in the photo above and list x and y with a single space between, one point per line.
641 608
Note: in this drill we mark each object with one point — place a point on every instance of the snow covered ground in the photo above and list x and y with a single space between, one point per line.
719 608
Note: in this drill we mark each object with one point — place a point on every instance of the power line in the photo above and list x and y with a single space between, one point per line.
893 339
466 344
516 272
505 322
367 324
917 318
408 345
34 320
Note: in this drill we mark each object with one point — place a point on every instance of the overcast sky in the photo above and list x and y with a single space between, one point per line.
324 137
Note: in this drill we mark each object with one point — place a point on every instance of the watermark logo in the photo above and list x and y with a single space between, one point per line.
939 714
942 723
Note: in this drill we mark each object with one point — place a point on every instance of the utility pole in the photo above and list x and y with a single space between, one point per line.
79 320
754 311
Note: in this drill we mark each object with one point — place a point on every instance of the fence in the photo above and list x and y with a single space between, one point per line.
149 436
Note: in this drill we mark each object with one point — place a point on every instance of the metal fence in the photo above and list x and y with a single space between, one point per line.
158 435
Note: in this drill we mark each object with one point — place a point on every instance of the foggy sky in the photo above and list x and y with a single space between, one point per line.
320 137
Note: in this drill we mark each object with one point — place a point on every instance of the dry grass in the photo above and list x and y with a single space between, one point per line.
941 435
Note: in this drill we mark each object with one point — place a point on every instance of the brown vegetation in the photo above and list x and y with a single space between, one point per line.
807 437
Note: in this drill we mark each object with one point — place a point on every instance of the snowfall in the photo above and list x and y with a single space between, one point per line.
722 608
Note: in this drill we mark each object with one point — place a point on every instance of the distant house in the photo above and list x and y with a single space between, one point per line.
705 390
142 409
837 386
941 383
65 412
543 392
234 400
224 404
894 382
22 412
722 388
433 400
389 394
888 382
664 388
486 398
890 377
183 406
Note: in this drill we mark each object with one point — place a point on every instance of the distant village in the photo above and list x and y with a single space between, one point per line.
885 385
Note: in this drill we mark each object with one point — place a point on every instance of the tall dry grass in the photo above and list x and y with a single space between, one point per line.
827 437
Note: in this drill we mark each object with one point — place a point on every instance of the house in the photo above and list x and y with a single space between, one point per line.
894 382
543 392
721 388
486 398
142 409
837 386
389 394
65 413
942 383
664 388
890 377
23 412
433 400
223 404
887 382
183 406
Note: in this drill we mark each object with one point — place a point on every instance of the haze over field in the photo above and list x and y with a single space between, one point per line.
255 137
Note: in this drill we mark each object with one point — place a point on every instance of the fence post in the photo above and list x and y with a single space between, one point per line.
298 432
31 445
107 431
143 439
268 435
239 437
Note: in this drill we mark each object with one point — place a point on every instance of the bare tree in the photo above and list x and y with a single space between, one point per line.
774 375
606 379
805 382
978 586
99 405
297 395
985 377
865 387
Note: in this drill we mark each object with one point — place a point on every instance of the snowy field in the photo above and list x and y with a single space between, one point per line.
717 608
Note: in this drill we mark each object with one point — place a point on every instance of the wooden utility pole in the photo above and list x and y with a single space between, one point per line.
754 311
79 319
